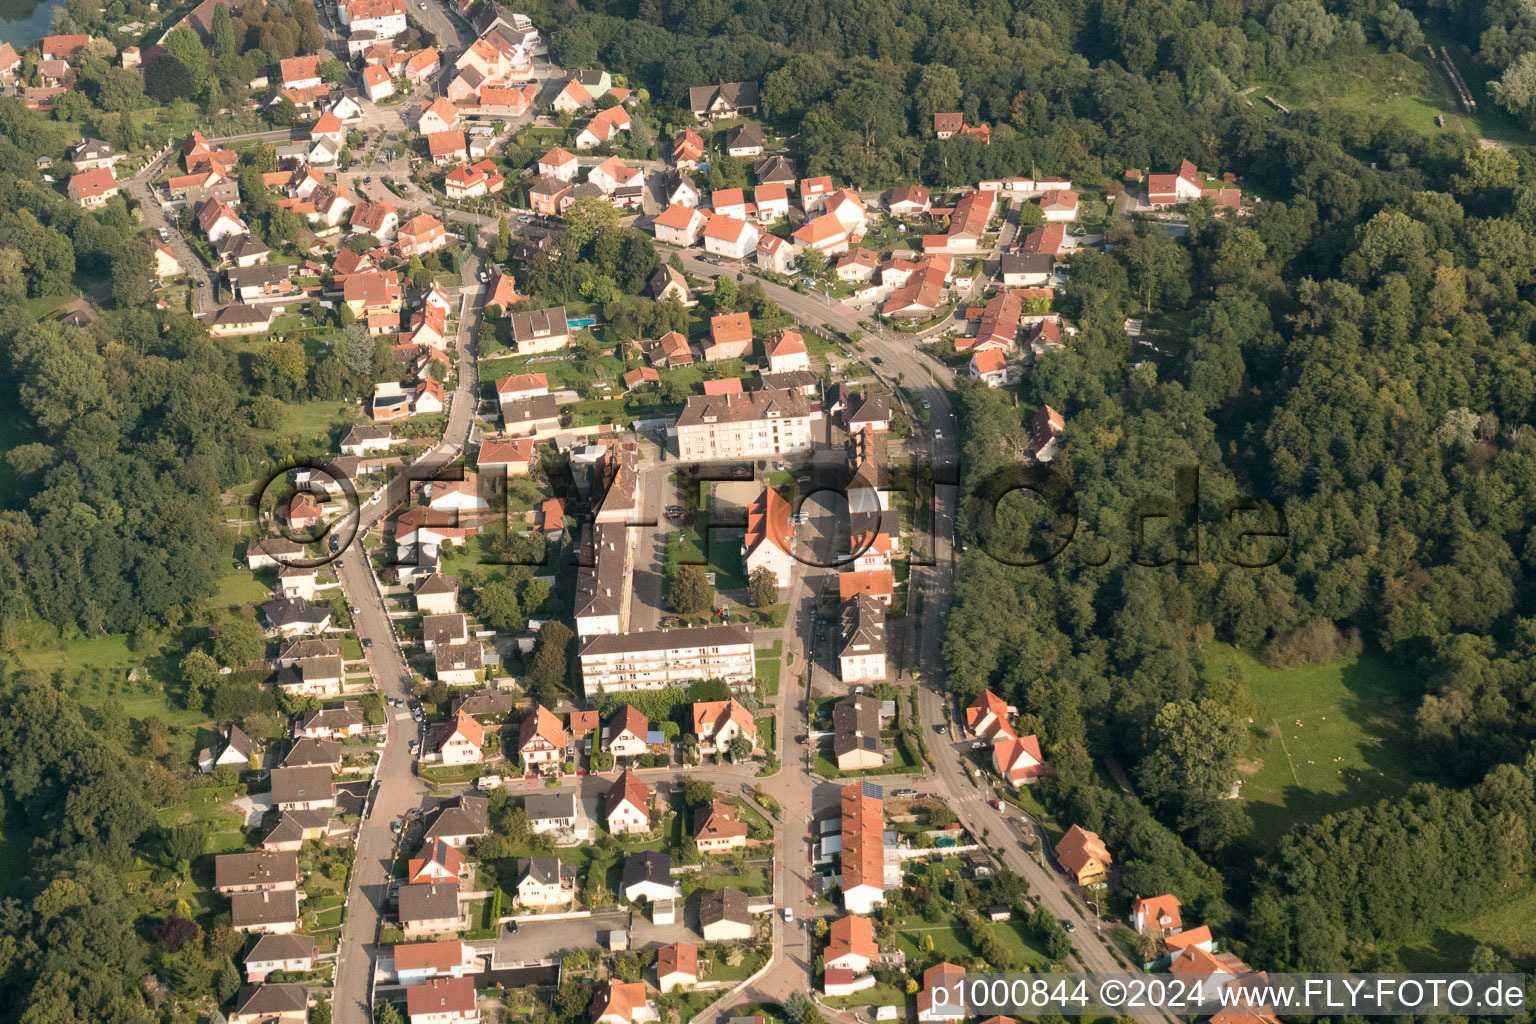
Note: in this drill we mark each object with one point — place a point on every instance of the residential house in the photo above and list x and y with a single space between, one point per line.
785 351
851 944
266 912
546 195
514 455
294 617
717 722
545 882
377 84
418 962
339 722
558 163
437 594
863 652
989 367
680 225
553 812
723 99
431 908
604 126
935 1000
617 1002
669 283
1156 916
303 789
729 237
436 862
1059 205
730 337
872 411
442 1001
313 677
648 876
856 266
627 731
967 225
717 828
1083 856
628 806
572 98
542 740
909 201
1017 758
300 72
856 728
988 713
420 235
724 917
824 233
460 820
775 255
670 350
1183 186
538 331
268 954
775 169
265 280
531 416
438 116
744 141
270 1004
218 221
677 966
458 665
863 841
877 584
769 540
255 872
1026 270
772 201
166 263
1046 427
447 148
461 741
613 174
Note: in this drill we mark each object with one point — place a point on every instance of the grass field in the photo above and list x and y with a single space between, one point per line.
1509 930
768 671
1325 737
947 942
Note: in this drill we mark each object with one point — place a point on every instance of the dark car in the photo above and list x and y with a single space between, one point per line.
367 641
877 361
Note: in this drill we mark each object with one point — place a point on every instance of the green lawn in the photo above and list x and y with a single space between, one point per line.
1510 930
1325 737
768 666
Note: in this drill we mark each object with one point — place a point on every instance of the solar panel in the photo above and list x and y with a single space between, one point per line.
869 789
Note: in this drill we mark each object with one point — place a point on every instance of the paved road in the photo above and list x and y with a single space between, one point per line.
140 189
396 788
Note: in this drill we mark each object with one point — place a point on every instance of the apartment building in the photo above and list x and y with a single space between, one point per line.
621 662
755 424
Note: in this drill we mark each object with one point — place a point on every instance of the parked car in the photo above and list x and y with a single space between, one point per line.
940 729
904 794
1068 925
789 915
367 641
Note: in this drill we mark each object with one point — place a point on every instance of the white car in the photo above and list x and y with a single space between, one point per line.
789 915
938 435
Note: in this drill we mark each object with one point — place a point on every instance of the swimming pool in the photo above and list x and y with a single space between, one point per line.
586 321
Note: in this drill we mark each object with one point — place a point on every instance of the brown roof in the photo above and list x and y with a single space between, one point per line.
439 955
1079 847
852 934
743 408
260 908
863 836
710 715
678 958
628 719
262 868
545 724
441 996
628 788
717 820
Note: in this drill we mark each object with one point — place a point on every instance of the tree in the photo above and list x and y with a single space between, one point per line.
763 588
571 999
386 1012
691 592
226 980
239 643
358 345
1194 750
200 674
697 791
724 295
549 669
133 276
224 44
499 606
812 262
174 934
740 748
183 46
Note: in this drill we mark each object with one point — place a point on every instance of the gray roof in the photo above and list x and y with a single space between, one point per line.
306 751
450 627
300 785
261 275
258 908
241 246
429 901
744 135
483 702
280 947
367 432
875 408
293 611
288 829
530 410
856 722
262 867
539 323
774 168
274 999
274 547
236 739
241 314
737 94
1027 263
723 905
337 718
784 380
668 639
452 657
743 408
648 866
547 185
544 870
464 815
600 572
549 806
437 583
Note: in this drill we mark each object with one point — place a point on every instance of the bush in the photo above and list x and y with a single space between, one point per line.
1315 641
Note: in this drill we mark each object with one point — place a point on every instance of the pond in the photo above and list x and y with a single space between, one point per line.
23 22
